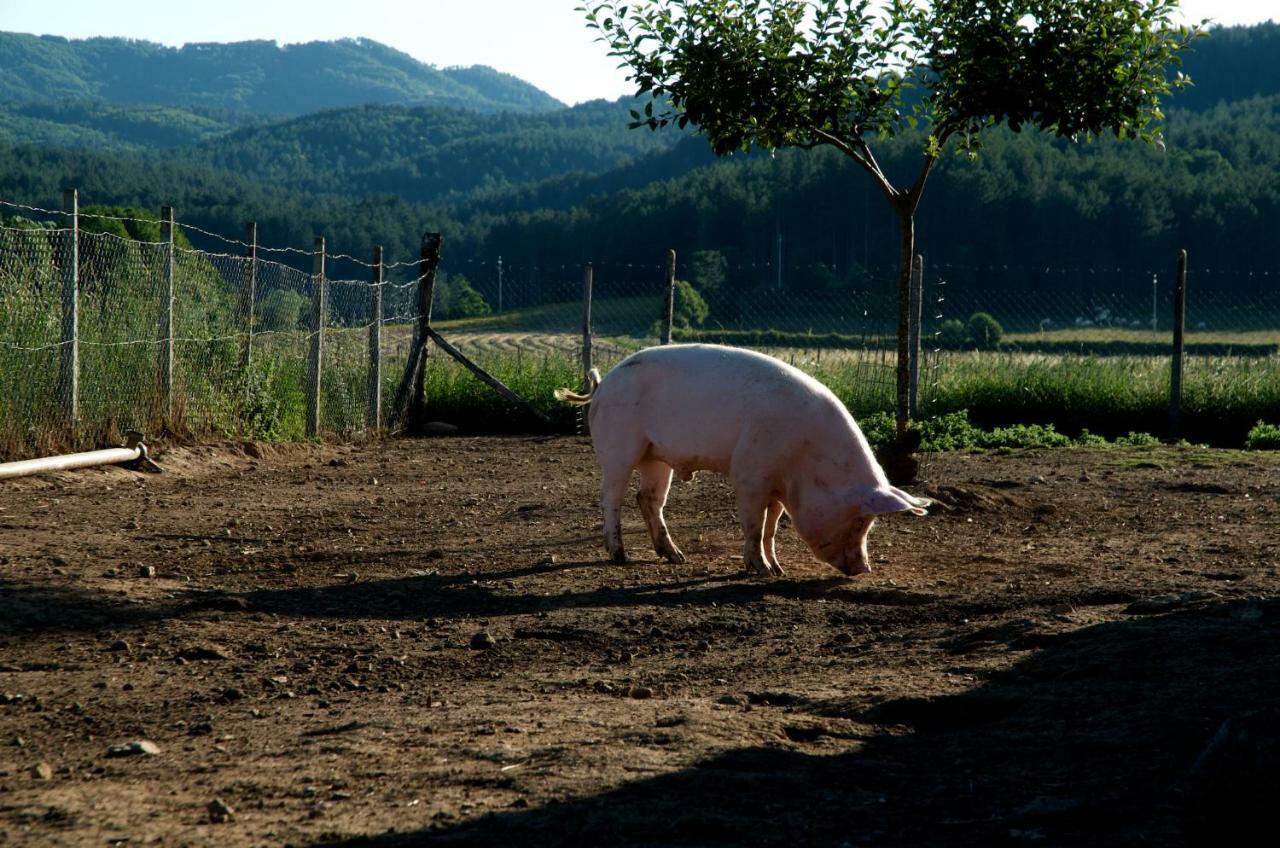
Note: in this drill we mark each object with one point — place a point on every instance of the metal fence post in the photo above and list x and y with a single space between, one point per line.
586 321
249 297
373 413
319 312
668 306
1179 335
917 316
69 363
166 315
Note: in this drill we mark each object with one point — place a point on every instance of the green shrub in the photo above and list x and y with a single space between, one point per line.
984 331
283 310
464 300
952 334
688 310
1137 440
1263 437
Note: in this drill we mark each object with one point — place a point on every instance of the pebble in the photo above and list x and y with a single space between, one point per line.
42 771
220 811
204 652
483 641
147 571
641 693
136 748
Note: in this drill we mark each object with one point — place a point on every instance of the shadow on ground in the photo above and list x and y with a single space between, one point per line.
34 608
1156 730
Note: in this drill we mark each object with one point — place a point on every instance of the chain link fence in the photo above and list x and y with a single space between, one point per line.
243 334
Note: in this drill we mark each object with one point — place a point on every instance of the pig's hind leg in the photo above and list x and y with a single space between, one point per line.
613 491
655 482
771 517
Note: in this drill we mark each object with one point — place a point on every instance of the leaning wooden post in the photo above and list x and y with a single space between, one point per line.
586 321
373 413
69 364
669 305
315 362
917 316
166 315
428 261
1179 332
249 297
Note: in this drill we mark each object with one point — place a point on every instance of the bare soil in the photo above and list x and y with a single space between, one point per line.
413 642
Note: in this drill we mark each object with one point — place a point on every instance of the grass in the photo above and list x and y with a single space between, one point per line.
1014 397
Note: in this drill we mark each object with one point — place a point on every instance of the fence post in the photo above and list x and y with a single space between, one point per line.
669 305
1179 330
373 415
499 285
913 341
166 315
428 262
586 321
69 364
315 362
249 297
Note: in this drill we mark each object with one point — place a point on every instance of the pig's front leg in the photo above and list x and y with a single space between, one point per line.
655 482
613 492
771 517
752 507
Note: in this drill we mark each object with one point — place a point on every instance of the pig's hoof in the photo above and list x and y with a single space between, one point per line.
673 556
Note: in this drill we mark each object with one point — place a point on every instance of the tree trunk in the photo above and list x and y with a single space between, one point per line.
907 247
897 458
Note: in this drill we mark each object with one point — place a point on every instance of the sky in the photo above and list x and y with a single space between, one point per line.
544 42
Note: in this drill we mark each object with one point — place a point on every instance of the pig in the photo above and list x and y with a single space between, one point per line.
784 440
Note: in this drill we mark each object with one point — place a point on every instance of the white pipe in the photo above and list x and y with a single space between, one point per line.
134 450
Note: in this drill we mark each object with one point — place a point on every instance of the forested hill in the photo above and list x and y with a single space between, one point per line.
425 154
558 188
259 77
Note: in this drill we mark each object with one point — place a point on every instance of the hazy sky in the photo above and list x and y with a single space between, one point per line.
542 41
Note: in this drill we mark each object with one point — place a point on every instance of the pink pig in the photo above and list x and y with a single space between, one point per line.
782 437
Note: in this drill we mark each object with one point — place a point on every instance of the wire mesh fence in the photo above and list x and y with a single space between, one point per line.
238 323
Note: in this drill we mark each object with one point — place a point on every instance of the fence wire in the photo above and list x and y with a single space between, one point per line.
243 330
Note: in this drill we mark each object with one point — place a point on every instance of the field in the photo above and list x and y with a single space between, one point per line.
413 642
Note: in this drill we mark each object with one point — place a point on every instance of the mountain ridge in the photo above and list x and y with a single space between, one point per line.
256 76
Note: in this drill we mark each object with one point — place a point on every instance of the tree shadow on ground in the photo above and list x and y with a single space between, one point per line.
1158 730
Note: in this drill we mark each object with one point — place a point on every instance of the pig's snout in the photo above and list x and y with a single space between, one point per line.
853 560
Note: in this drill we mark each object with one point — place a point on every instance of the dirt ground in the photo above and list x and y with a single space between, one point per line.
419 641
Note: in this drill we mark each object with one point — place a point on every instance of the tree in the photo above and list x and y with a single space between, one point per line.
709 269
845 73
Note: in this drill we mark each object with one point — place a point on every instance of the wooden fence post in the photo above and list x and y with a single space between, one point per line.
586 321
166 315
1179 332
249 297
428 262
69 363
373 413
668 306
315 362
411 396
917 316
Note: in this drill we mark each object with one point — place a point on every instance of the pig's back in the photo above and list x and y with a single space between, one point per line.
695 404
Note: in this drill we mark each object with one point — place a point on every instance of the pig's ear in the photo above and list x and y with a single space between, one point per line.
887 499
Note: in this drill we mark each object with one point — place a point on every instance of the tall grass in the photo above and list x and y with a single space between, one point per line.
1113 397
